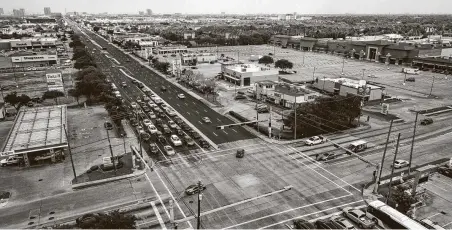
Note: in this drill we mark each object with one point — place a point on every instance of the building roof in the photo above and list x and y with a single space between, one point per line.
292 90
266 82
433 60
36 129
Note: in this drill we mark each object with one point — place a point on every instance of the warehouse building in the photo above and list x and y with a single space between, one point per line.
37 136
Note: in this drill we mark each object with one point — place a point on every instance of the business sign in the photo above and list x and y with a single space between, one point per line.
385 108
35 58
55 81
18 44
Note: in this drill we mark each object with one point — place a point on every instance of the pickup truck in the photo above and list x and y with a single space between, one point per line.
315 140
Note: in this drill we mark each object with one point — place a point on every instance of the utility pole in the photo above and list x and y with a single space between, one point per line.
124 142
384 152
313 75
431 89
70 152
363 74
404 80
269 124
257 116
343 63
392 169
323 84
412 143
199 204
111 151
295 121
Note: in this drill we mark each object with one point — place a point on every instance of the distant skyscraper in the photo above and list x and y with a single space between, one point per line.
223 13
149 12
141 12
18 13
47 11
1 11
22 12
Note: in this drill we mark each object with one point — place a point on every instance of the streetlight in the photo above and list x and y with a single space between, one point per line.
363 73
343 63
431 89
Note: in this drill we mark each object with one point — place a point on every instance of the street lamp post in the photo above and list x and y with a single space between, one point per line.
313 75
363 73
431 88
343 63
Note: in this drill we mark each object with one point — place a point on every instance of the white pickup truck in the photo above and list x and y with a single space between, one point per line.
315 140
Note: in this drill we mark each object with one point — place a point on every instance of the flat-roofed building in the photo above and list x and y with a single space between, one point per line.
346 87
199 57
37 135
284 94
248 74
170 50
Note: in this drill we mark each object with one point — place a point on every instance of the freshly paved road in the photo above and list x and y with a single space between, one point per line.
191 108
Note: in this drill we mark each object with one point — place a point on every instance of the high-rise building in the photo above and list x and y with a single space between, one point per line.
149 12
22 12
223 13
141 12
1 11
18 13
47 11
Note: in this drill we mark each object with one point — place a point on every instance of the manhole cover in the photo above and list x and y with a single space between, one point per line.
138 179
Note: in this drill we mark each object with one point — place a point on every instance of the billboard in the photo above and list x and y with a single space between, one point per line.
35 58
55 81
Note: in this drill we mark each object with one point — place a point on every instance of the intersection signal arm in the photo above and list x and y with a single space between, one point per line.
239 124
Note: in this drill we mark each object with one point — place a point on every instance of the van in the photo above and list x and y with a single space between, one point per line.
357 146
410 71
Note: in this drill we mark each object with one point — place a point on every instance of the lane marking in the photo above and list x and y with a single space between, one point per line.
178 105
224 131
196 111
157 213
200 122
218 119
234 130
205 111
215 134
186 103
188 113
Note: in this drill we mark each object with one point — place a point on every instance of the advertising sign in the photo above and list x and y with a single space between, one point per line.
18 44
385 108
35 58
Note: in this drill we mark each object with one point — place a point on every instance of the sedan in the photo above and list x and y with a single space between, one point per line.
172 124
206 120
175 140
359 217
192 189
152 129
134 105
400 164
152 115
181 96
169 150
153 148
342 222
189 141
147 122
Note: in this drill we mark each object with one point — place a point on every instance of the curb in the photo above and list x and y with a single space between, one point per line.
103 181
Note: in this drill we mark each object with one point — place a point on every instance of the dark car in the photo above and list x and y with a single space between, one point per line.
159 122
195 134
445 171
326 157
133 122
140 85
427 121
411 79
162 139
240 97
134 81
192 189
185 127
303 224
153 148
204 144
163 88
146 109
325 224
178 120
240 153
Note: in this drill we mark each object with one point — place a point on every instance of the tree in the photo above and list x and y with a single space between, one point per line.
17 101
75 93
283 64
403 200
53 94
91 83
83 62
96 28
266 60
162 66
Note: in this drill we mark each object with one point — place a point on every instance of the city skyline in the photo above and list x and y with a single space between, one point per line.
234 6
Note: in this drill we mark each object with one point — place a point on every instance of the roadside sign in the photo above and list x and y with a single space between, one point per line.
385 108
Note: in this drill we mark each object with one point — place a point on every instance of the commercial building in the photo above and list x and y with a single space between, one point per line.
170 50
37 135
247 74
346 87
438 63
186 59
29 43
149 12
26 58
189 35
284 94
47 11
1 11
54 78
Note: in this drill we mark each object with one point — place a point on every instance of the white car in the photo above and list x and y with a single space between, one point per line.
164 106
9 161
147 122
158 100
175 140
206 120
400 164
169 150
172 124
134 105
140 129
152 129
315 140
181 96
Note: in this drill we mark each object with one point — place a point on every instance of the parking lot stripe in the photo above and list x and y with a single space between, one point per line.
310 214
288 210
215 134
196 111
157 214
234 130
224 131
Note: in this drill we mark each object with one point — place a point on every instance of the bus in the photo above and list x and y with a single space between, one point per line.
391 217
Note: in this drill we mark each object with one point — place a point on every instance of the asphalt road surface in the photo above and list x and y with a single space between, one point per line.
191 108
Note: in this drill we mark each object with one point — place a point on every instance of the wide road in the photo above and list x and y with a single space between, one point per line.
191 108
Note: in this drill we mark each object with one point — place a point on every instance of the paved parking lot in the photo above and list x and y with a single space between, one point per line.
439 188
263 170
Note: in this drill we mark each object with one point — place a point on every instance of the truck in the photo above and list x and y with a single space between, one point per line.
357 146
410 71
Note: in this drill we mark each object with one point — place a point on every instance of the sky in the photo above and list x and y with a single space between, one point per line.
235 6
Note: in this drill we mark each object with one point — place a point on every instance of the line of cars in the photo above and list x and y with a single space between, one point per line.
152 117
349 218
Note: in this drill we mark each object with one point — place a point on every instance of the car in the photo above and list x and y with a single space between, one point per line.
171 112
145 136
161 139
427 121
152 115
175 140
152 129
178 120
163 88
134 105
158 100
124 84
152 105
172 124
134 81
146 109
147 122
262 110
326 157
146 99
10 161
108 125
411 79
303 224
358 216
159 121
185 127
445 171
140 85
153 148
240 153
400 164
164 106
325 224
30 104
166 129
206 120
133 122
181 96
195 135
188 140
240 97
192 189
139 129
169 150
342 222
204 144
315 140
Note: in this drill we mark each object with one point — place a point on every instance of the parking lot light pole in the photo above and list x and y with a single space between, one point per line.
431 88
363 73
343 63
70 152
313 75
412 143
